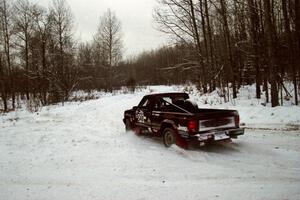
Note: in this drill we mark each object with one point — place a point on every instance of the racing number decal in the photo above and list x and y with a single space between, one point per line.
139 114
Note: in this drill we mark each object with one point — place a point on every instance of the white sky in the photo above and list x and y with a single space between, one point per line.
136 17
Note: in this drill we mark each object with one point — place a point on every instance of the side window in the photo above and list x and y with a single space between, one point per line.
167 99
161 103
144 103
158 104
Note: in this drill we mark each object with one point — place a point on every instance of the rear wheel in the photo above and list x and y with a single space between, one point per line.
169 137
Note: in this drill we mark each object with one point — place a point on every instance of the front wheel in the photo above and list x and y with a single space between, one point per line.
128 126
169 137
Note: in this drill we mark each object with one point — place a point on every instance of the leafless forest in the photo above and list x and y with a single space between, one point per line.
215 44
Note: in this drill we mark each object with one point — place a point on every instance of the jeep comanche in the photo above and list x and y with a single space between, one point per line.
177 120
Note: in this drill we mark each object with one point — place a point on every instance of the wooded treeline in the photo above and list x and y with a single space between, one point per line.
227 43
215 43
40 59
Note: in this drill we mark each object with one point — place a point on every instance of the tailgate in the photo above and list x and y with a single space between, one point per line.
217 120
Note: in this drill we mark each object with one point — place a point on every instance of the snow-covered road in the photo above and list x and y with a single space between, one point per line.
81 151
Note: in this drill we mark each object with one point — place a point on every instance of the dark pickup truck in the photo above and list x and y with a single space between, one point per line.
177 120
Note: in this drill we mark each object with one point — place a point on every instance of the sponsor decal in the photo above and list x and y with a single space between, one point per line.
139 114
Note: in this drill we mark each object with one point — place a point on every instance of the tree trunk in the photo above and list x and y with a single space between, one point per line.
198 45
297 52
266 86
231 66
3 86
270 36
45 83
7 44
208 63
210 43
254 28
291 59
26 65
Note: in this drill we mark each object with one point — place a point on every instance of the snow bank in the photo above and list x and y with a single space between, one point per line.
254 113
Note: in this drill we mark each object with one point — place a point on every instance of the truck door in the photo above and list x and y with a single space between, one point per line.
143 114
157 114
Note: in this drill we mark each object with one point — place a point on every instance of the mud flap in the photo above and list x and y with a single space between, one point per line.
181 142
137 131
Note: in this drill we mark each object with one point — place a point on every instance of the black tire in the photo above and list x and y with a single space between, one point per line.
169 137
128 126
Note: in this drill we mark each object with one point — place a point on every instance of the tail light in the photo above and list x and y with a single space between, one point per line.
237 120
193 126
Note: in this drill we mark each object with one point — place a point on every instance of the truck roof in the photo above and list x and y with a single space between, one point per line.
170 94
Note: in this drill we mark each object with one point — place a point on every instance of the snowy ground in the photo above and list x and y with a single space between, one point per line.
81 151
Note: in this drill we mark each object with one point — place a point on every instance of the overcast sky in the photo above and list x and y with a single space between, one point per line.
135 15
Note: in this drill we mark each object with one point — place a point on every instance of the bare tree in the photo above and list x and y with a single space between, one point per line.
63 76
3 84
173 17
231 65
23 22
179 18
291 57
270 41
254 35
6 45
297 52
109 39
42 26
211 59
